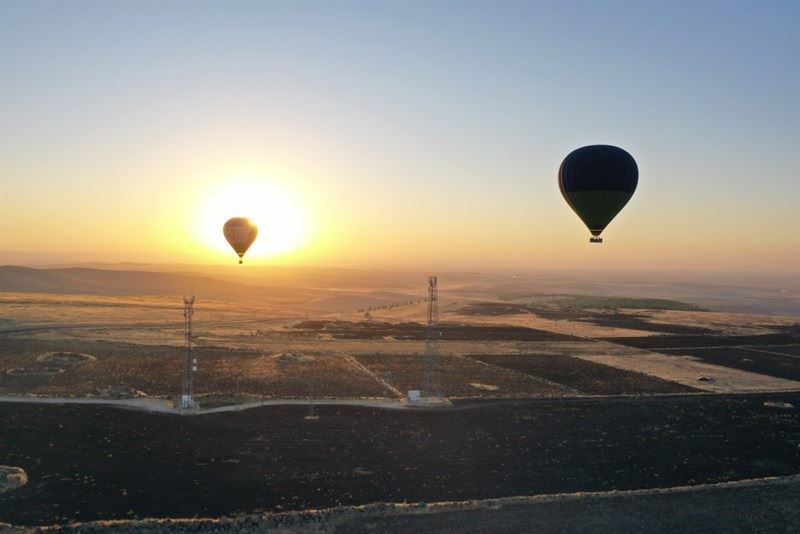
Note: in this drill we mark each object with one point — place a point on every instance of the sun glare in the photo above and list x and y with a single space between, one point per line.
282 224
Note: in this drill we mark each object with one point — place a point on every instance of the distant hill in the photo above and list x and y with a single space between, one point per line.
285 276
87 281
105 282
334 290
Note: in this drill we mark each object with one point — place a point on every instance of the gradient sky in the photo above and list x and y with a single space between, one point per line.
408 134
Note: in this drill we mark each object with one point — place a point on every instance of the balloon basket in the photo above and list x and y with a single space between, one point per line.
595 240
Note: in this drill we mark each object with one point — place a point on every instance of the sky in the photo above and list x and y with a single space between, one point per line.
394 134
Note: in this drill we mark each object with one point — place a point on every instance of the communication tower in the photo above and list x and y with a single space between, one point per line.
432 378
190 365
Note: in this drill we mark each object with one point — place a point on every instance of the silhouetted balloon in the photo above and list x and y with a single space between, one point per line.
240 233
597 181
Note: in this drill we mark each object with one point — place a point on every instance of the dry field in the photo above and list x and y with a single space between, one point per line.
461 377
489 349
584 376
546 396
155 371
92 462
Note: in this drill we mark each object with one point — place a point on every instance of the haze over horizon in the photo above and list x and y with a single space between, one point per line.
397 136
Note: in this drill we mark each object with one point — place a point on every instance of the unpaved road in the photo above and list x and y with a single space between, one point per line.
162 406
755 505
768 505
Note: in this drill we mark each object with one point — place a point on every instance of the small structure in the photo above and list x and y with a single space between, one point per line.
413 395
312 416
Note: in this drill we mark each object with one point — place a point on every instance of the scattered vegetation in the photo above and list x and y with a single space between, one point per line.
569 307
392 306
600 316
65 358
613 303
34 371
288 357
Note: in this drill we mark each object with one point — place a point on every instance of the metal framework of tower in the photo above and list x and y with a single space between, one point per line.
190 364
432 378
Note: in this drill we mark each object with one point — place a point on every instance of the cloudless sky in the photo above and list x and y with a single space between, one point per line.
408 134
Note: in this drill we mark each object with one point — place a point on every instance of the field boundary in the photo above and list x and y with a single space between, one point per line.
163 406
770 351
355 363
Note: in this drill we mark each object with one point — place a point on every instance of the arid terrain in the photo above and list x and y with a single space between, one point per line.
103 463
549 391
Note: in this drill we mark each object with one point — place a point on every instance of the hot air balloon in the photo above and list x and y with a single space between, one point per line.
240 233
597 181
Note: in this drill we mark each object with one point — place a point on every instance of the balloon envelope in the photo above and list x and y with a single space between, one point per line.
597 181
240 233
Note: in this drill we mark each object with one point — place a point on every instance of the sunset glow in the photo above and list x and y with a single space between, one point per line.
343 161
283 226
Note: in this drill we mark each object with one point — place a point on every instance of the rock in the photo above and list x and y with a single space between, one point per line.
12 478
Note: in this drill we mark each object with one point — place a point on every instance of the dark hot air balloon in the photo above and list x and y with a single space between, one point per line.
240 233
597 181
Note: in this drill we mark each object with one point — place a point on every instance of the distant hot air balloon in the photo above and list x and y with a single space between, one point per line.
597 181
240 233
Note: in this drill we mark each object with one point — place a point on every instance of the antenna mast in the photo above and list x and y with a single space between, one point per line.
190 365
431 385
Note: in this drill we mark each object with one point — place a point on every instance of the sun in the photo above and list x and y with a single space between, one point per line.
282 223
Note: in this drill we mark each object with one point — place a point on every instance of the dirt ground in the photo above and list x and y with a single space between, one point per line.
459 377
688 371
155 370
760 360
93 462
584 376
